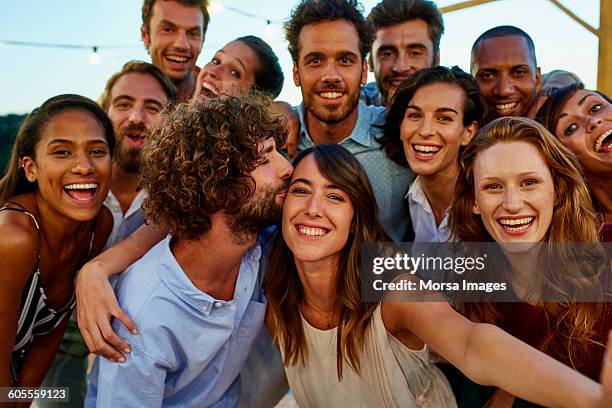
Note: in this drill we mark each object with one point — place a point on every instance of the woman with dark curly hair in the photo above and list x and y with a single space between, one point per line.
51 222
582 120
433 116
520 187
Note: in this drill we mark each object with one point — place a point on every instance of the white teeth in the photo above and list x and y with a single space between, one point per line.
315 232
600 140
176 58
520 221
506 107
426 148
330 95
86 186
210 87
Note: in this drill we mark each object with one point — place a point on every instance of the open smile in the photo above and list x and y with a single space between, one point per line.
424 151
310 232
516 226
603 144
83 193
506 107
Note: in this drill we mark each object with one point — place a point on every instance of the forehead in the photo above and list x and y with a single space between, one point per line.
403 34
507 159
503 53
329 38
177 13
572 107
439 95
237 50
139 85
74 125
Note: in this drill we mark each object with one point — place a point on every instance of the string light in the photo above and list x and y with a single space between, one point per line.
269 31
216 7
94 57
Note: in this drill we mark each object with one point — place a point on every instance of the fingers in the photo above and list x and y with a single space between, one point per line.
125 319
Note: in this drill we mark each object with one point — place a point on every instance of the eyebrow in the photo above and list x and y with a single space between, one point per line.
132 99
174 25
443 109
237 59
580 103
523 174
66 141
309 183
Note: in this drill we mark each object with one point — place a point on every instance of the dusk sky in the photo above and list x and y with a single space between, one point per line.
32 75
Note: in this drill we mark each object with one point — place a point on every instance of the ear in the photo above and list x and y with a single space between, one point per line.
144 35
296 75
29 168
475 208
469 133
538 80
364 73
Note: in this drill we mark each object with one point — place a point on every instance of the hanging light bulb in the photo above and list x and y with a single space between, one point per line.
216 7
269 31
94 57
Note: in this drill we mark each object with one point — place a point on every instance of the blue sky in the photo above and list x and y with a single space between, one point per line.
29 76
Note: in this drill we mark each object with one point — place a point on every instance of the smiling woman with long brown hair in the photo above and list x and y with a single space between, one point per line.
51 223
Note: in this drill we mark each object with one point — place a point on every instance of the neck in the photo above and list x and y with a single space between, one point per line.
186 87
124 186
322 132
319 282
212 261
439 189
525 271
602 188
60 228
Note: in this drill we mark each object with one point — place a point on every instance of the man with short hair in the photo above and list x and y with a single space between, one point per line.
503 61
407 37
328 41
196 297
173 31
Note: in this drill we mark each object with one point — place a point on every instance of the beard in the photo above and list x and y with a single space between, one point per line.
127 158
333 114
258 212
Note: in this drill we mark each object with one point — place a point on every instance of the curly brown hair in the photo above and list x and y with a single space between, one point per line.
199 160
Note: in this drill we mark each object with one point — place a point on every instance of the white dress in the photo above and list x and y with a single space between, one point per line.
392 375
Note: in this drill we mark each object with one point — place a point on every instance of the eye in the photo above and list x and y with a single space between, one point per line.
486 76
346 61
386 54
154 108
595 108
235 73
520 72
413 115
299 190
122 105
530 182
61 153
99 151
215 61
336 197
445 118
314 60
194 34
493 187
570 129
416 53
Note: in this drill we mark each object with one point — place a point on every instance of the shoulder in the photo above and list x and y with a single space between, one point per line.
103 228
19 247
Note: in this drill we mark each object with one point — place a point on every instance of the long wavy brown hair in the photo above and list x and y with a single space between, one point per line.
283 286
200 157
573 221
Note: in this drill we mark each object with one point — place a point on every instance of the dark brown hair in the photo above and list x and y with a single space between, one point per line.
199 160
474 105
284 288
317 11
147 11
14 181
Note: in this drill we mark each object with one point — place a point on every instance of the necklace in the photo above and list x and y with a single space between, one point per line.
329 316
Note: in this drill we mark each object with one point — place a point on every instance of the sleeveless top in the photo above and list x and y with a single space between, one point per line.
392 375
36 317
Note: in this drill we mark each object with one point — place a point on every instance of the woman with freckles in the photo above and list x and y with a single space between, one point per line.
582 120
341 351
432 117
520 187
51 222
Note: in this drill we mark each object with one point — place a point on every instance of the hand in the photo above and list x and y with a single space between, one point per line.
96 304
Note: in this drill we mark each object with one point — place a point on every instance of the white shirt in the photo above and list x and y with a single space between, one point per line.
423 218
124 224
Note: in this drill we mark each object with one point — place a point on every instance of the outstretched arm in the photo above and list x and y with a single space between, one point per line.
96 301
490 356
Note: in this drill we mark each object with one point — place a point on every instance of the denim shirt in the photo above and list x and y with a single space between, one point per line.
190 346
389 180
371 95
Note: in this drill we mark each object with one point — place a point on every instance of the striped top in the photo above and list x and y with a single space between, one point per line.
36 317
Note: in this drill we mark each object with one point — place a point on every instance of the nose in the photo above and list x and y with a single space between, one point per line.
180 40
504 86
137 115
284 168
313 209
426 128
402 64
331 74
513 201
83 164
592 123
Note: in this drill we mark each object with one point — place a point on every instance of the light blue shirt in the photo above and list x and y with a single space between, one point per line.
190 347
389 180
124 224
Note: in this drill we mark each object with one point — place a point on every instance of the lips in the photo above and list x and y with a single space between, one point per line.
516 226
331 94
83 192
506 107
208 89
311 231
424 151
179 59
603 144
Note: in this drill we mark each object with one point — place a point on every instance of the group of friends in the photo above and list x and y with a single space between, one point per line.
214 271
